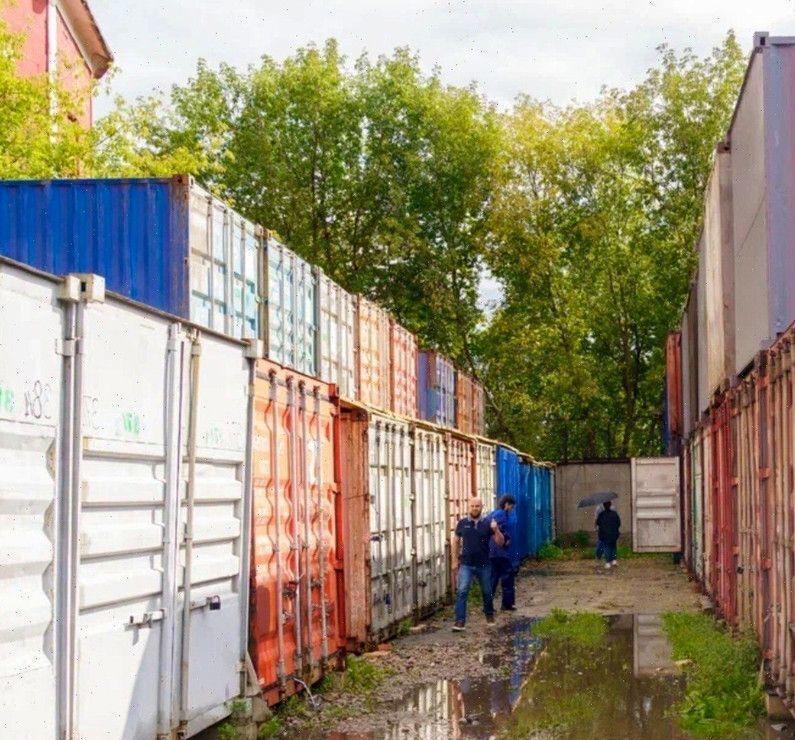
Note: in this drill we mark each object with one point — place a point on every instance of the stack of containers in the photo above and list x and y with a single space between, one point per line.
372 354
336 310
478 410
402 371
464 402
436 389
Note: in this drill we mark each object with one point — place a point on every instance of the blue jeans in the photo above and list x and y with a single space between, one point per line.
466 574
502 572
609 550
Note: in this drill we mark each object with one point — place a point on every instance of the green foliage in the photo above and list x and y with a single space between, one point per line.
581 539
363 676
550 551
593 231
723 696
270 728
583 629
404 628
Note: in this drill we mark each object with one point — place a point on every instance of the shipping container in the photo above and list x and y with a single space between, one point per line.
372 354
763 184
703 396
656 514
479 410
402 371
718 243
486 472
130 457
512 478
376 477
690 363
337 322
291 331
464 403
430 544
165 242
673 392
436 389
295 600
462 471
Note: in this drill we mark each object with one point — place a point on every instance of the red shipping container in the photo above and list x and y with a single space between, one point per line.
673 387
295 595
372 354
403 371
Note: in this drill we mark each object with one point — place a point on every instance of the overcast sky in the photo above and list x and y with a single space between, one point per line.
559 50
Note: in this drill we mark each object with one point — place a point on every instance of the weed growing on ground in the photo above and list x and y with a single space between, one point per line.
581 539
363 676
550 551
475 597
723 697
585 629
270 728
404 628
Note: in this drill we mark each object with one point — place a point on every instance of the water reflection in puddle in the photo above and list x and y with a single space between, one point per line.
621 687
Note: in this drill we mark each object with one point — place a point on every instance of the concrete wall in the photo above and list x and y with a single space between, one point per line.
574 481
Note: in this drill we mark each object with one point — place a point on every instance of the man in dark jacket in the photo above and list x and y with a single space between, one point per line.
608 524
475 532
502 556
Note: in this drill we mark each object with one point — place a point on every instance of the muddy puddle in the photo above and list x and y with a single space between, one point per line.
621 687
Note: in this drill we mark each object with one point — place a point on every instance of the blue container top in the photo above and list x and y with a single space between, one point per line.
133 232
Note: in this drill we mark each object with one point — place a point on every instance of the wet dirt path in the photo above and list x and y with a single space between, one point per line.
492 682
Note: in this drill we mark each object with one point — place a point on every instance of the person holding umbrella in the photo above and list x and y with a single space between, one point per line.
608 524
598 500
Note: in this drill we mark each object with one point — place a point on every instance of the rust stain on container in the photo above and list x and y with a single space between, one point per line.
402 371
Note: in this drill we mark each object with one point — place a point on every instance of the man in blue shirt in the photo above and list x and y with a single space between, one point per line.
503 557
475 532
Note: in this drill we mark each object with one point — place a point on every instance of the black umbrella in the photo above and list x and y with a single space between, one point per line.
597 498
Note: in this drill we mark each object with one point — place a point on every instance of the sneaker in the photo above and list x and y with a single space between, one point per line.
490 621
607 566
614 563
458 627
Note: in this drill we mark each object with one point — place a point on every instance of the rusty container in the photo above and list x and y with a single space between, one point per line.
673 391
295 600
478 409
461 486
464 402
723 578
375 466
402 371
372 354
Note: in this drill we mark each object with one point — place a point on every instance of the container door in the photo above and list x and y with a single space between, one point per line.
218 573
124 504
655 504
30 391
696 478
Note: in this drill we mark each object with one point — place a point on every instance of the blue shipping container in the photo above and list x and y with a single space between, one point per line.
436 388
510 480
164 242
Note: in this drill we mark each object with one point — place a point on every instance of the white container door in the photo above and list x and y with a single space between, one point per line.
123 502
656 517
218 568
487 473
30 382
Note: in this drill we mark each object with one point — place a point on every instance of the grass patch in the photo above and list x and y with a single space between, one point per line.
363 676
723 697
270 728
584 629
550 551
404 628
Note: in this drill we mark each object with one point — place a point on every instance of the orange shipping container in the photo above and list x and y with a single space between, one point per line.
403 371
478 409
464 403
372 354
295 599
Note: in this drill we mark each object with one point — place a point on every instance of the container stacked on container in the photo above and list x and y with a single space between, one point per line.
736 358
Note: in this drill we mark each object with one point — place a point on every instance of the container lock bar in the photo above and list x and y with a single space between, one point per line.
147 619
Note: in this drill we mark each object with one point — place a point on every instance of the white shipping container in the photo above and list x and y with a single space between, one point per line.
486 473
225 253
431 572
337 314
290 332
656 514
150 460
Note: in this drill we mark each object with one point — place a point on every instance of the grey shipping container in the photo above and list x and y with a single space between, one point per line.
763 189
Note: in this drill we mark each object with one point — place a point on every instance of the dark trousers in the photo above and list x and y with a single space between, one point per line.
502 572
609 550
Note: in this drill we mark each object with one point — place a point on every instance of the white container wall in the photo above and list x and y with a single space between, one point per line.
336 318
390 521
431 576
30 389
150 459
291 328
225 252
486 473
